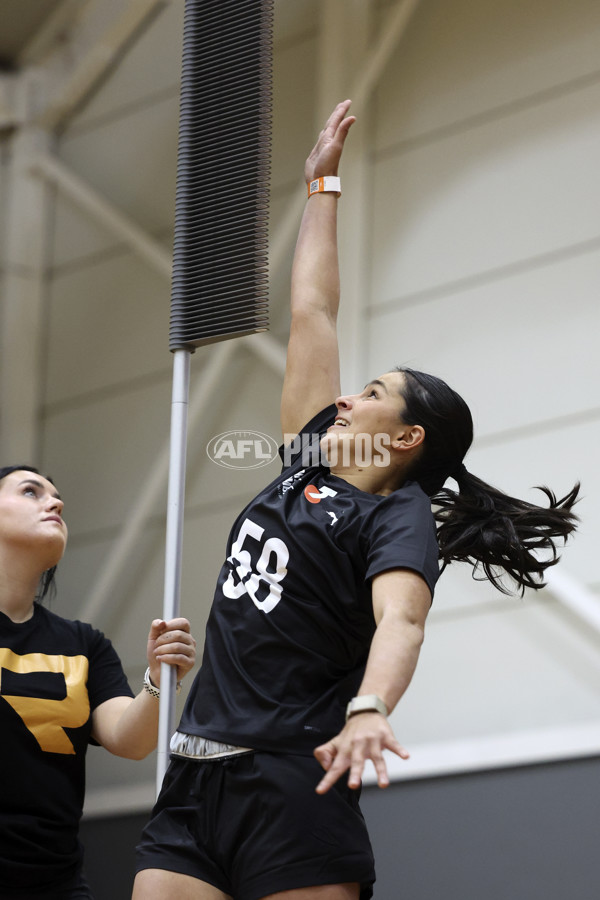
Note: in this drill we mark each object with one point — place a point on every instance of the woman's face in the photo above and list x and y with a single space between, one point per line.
376 411
31 515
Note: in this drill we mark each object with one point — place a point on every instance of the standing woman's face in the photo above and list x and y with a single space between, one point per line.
31 516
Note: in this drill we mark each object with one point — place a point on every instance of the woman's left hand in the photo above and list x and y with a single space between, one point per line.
171 643
365 736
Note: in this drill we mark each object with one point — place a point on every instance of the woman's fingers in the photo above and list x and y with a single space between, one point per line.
325 754
172 643
336 117
325 156
336 768
364 737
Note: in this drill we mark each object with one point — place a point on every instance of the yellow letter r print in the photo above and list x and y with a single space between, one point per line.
46 719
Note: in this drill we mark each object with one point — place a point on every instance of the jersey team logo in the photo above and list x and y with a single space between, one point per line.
314 495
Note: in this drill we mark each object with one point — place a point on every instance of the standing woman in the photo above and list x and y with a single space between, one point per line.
320 607
61 685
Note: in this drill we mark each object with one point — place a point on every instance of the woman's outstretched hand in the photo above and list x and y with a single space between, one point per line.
365 736
324 158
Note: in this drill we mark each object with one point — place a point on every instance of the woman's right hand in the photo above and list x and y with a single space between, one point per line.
324 158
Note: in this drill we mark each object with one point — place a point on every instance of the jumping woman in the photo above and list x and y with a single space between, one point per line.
320 606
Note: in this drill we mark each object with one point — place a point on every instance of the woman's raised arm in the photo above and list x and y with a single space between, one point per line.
312 379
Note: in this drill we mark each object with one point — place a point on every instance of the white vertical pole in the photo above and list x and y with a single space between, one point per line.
174 543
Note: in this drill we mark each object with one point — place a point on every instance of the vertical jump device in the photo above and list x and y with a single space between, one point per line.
220 263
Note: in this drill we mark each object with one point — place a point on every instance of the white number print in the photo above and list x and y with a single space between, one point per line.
249 578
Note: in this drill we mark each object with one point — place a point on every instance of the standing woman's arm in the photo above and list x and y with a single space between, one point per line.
312 377
128 726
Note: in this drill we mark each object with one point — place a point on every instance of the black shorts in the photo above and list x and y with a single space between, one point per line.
252 825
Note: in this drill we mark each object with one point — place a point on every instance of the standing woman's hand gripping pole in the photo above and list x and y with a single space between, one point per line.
312 375
171 643
128 726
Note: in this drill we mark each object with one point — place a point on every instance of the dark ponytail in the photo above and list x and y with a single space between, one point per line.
495 532
47 577
479 524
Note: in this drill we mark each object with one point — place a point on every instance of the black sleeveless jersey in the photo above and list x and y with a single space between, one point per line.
292 620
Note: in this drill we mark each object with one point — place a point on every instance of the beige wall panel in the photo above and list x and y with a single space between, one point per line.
279 277
294 18
152 65
204 553
108 323
75 235
79 568
500 671
132 161
100 454
83 564
78 239
210 488
488 198
461 59
139 594
4 179
520 349
282 200
294 91
205 540
248 399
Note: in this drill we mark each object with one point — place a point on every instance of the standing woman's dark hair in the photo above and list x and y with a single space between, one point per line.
478 523
47 578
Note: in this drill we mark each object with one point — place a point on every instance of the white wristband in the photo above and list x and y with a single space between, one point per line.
325 183
152 689
149 687
366 703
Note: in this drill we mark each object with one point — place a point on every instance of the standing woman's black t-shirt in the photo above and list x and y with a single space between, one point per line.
53 673
292 619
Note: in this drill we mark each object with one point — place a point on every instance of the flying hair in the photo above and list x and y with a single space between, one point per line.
495 533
